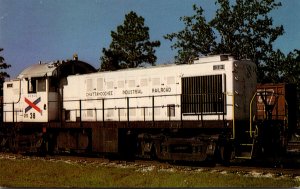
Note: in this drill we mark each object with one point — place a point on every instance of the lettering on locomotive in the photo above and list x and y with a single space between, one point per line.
102 93
135 91
161 90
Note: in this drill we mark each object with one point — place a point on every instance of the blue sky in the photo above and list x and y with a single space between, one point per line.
49 30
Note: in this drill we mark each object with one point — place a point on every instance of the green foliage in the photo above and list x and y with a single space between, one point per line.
281 68
196 39
243 29
130 46
3 75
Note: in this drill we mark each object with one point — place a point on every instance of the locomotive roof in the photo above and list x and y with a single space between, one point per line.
199 60
57 69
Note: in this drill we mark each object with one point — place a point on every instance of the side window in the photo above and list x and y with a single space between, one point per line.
89 85
36 85
100 84
41 85
32 85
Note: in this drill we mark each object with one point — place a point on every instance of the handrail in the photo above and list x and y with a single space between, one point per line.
79 106
233 112
250 116
233 117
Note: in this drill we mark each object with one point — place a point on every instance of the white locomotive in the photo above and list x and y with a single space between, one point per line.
178 112
159 93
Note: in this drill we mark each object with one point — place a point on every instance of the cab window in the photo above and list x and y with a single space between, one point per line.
36 85
41 85
32 86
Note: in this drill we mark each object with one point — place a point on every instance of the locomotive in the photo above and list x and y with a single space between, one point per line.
210 109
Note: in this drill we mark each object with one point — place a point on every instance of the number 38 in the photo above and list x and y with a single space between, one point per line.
32 115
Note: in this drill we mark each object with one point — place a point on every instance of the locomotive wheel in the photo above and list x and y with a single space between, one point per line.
13 145
225 153
3 143
153 153
43 149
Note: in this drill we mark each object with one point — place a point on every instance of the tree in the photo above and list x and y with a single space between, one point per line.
3 75
291 68
130 46
242 28
196 39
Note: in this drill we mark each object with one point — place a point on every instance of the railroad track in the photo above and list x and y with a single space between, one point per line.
146 166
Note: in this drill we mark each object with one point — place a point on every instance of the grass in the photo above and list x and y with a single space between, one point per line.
40 173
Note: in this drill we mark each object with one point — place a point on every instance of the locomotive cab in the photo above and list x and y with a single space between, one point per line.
35 95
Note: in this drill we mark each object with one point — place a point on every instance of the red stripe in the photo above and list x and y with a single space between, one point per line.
33 105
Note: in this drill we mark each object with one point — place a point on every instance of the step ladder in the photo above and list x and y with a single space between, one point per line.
246 149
